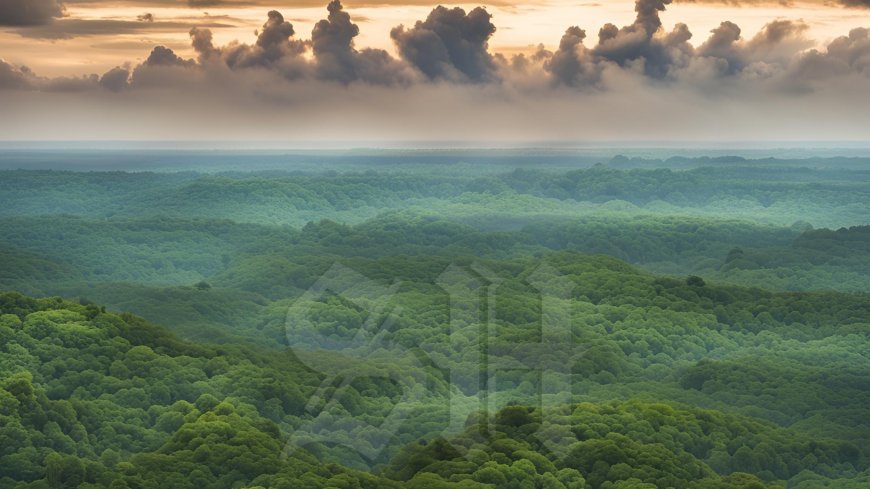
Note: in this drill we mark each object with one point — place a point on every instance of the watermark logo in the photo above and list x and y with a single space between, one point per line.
345 328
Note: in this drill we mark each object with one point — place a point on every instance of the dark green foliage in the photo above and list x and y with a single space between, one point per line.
695 281
619 444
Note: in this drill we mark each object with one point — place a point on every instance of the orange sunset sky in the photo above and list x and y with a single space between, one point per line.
54 50
413 70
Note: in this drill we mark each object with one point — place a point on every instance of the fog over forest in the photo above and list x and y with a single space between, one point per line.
592 317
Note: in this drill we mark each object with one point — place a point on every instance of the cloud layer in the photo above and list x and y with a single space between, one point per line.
451 45
29 12
446 71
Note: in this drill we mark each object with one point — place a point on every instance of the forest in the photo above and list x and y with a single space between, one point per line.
523 320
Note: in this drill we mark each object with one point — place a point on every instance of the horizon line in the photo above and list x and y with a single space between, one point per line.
420 145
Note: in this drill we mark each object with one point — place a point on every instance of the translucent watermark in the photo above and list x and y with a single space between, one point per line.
345 328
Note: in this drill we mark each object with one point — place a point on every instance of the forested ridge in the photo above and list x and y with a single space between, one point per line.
95 399
642 324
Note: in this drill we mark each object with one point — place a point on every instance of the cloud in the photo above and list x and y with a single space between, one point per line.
163 67
449 45
648 14
14 77
274 49
778 44
115 79
769 84
202 41
572 64
334 56
846 54
22 78
642 46
337 59
29 12
645 47
274 37
722 46
163 56
70 83
69 28
332 44
638 45
146 17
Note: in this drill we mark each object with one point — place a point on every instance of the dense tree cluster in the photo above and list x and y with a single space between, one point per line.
92 399
618 327
618 444
766 193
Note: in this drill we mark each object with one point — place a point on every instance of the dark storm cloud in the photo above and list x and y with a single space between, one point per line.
648 14
638 45
645 47
274 49
29 12
146 17
337 59
572 64
332 45
642 46
334 56
276 33
449 45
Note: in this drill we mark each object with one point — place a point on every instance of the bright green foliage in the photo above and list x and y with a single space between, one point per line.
115 402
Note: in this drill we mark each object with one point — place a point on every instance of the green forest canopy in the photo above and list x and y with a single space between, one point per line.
712 326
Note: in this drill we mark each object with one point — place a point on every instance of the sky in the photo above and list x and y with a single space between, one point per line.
410 70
